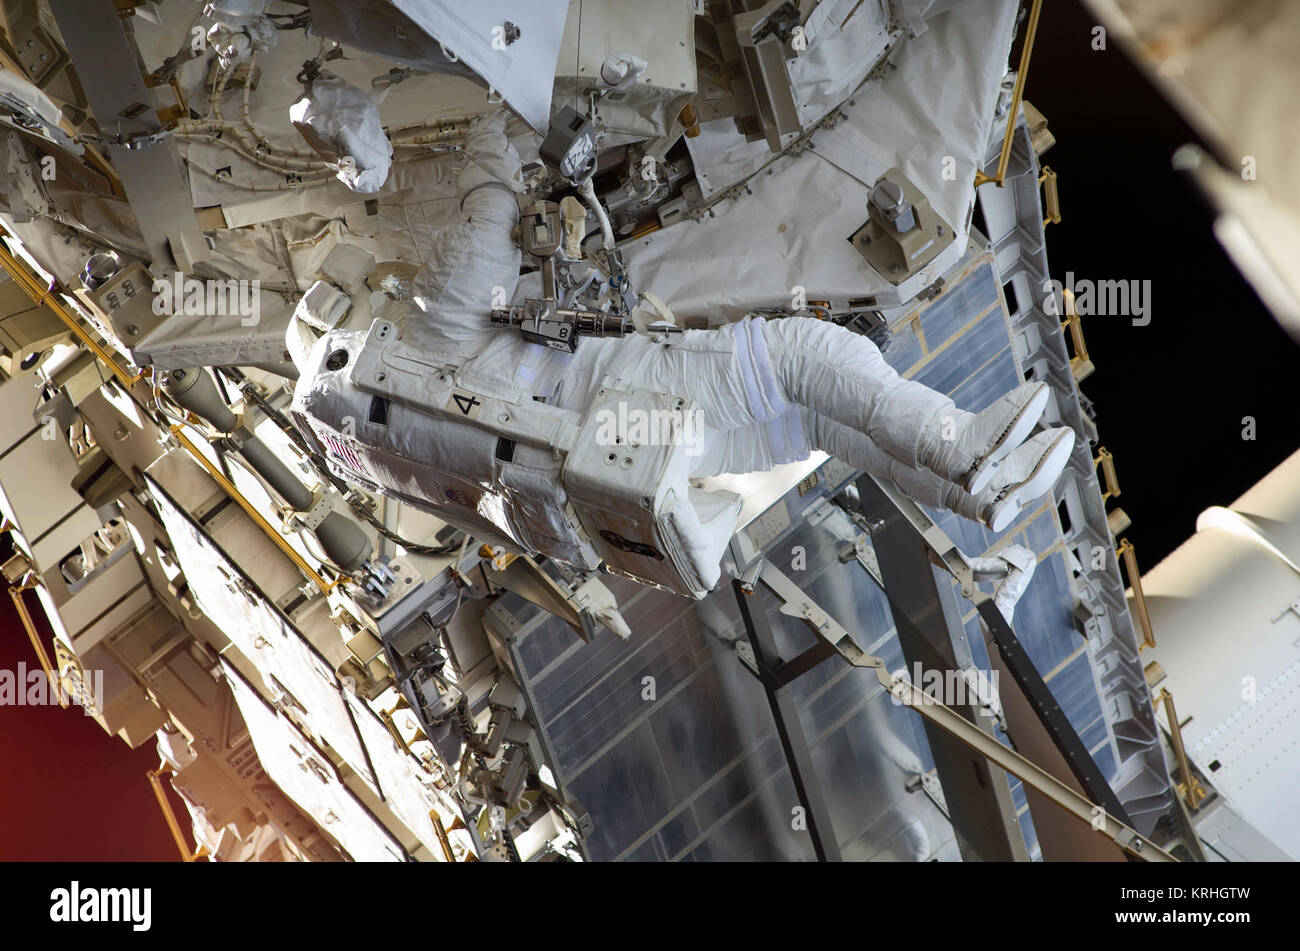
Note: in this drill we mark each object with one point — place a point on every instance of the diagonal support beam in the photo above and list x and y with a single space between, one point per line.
108 65
1049 712
793 740
951 722
932 635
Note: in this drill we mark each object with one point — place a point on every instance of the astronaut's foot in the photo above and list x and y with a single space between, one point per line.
1026 473
1014 567
967 447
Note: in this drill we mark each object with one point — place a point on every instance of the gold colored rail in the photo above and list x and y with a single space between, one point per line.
49 295
1126 551
441 831
1107 463
232 491
16 593
155 780
1081 364
1051 197
1193 791
1017 95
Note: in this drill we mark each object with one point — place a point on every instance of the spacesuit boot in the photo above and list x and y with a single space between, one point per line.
1024 475
1027 473
1014 565
966 447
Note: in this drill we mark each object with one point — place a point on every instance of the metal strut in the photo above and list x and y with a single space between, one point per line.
1098 806
1082 808
1017 660
775 678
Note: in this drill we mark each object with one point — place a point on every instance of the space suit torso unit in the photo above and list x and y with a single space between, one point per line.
477 405
475 448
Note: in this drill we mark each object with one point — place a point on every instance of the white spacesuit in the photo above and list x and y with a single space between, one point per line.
769 390
342 124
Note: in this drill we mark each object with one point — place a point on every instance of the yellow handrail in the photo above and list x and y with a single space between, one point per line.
232 491
1018 93
1193 791
16 593
1126 551
41 294
1107 463
155 780
444 839
49 296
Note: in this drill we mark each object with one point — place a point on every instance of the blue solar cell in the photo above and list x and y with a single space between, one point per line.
904 348
956 307
1041 531
1107 761
1075 691
984 348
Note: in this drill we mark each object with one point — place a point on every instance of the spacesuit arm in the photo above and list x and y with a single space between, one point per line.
474 263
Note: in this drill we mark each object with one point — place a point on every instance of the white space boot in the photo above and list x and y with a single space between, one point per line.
965 448
1027 473
1014 566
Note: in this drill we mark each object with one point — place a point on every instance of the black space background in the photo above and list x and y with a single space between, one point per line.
1169 398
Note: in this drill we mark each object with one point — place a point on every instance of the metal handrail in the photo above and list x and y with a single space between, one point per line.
155 780
16 593
233 491
1017 95
1193 791
1139 596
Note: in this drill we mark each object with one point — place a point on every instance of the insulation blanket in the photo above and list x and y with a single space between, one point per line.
519 63
938 104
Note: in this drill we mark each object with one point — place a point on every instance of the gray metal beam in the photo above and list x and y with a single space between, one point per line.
1060 838
1068 798
108 65
931 634
1050 714
788 728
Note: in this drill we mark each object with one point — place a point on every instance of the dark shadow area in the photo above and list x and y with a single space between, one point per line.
1171 396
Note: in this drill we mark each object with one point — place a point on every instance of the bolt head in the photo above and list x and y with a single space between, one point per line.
888 197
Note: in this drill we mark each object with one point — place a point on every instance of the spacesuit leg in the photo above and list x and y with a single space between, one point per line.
748 450
474 263
859 451
1024 475
842 375
750 377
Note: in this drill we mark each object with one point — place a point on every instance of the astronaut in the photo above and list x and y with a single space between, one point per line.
769 390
